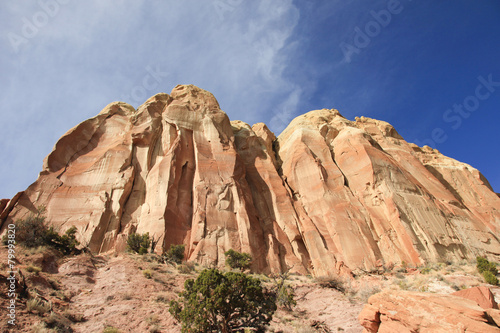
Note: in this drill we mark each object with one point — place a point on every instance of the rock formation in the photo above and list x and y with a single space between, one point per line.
481 295
405 311
328 196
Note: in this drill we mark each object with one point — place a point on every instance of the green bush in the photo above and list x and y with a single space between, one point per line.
488 270
66 243
483 265
33 232
490 278
217 302
175 253
138 243
283 293
285 297
237 260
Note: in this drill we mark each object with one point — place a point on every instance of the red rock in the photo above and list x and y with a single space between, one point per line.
481 295
403 311
494 316
369 318
3 204
329 196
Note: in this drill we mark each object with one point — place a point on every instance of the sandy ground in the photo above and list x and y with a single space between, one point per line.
131 293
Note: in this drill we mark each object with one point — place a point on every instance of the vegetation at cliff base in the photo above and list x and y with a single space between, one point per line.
283 293
138 243
238 260
34 232
488 270
175 253
223 302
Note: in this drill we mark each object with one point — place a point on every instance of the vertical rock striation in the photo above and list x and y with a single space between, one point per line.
328 196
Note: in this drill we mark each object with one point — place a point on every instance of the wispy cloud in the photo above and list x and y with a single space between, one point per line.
94 52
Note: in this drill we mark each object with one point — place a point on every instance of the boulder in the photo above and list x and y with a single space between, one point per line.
404 311
481 295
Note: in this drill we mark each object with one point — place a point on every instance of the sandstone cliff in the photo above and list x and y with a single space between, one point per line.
327 196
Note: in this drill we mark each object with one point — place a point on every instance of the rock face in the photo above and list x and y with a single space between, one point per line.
328 196
481 295
404 311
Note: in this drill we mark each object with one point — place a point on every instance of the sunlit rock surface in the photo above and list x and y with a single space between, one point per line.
328 196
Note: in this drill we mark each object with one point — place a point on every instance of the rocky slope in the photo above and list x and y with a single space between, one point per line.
326 197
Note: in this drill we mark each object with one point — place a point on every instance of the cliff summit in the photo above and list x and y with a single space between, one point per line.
328 196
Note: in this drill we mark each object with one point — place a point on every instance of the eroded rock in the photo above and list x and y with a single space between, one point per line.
404 311
329 196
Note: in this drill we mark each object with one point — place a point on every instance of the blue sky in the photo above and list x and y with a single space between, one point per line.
430 68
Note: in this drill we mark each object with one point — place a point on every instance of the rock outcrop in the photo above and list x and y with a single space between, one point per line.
328 196
405 311
481 295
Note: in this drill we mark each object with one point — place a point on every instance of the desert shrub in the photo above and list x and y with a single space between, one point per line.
185 269
217 302
138 243
66 243
425 270
490 278
36 305
238 260
488 270
33 232
40 328
33 269
74 316
147 274
335 282
110 329
483 265
283 293
155 329
366 291
285 297
175 254
58 323
321 326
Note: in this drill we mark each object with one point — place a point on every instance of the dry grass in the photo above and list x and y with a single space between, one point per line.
148 274
438 278
186 268
33 269
40 328
337 283
36 305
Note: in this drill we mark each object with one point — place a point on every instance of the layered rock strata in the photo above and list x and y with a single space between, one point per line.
405 311
328 196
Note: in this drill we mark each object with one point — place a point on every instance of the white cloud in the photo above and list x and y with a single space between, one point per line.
95 52
286 111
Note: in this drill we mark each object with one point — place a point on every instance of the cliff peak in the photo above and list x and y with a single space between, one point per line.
328 196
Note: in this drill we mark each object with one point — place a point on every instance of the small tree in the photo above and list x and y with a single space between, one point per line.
154 242
175 253
490 278
488 270
484 265
138 243
284 294
237 260
217 302
33 232
66 243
